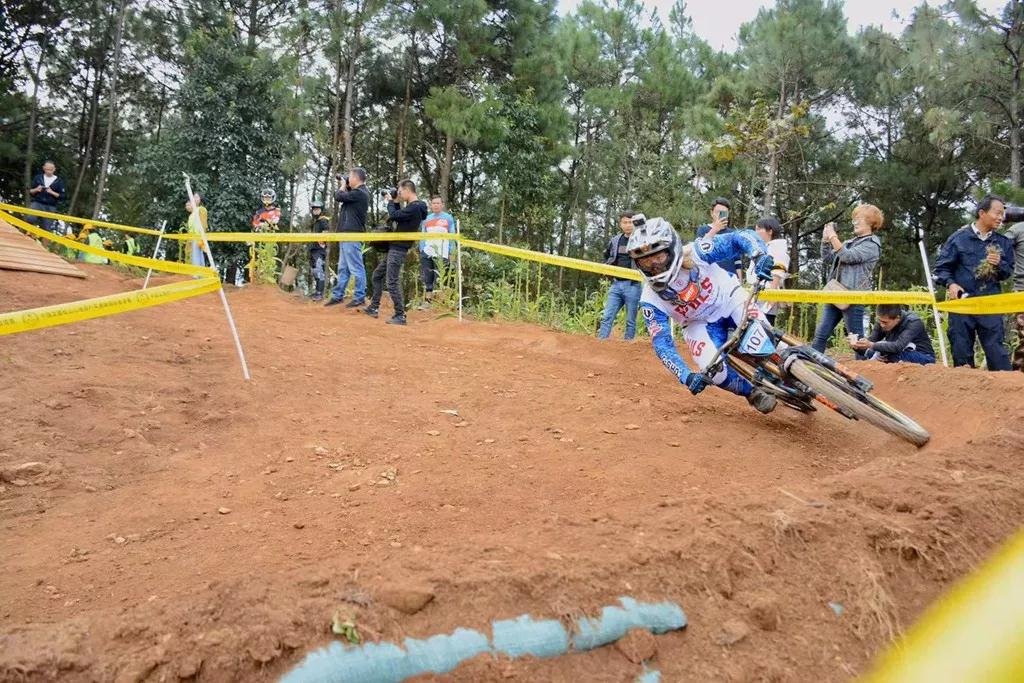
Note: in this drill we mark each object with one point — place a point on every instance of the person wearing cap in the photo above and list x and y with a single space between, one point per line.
93 239
319 222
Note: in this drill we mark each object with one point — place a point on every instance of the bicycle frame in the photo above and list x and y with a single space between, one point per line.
776 364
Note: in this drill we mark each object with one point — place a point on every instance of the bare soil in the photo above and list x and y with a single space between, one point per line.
160 519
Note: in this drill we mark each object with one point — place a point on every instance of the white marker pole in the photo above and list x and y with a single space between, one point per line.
220 290
156 250
458 259
931 290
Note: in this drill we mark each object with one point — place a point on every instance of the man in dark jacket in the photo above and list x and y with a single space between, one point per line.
972 262
1016 235
719 224
354 203
406 219
623 292
899 336
319 222
47 191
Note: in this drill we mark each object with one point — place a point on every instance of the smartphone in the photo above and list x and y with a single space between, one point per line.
723 214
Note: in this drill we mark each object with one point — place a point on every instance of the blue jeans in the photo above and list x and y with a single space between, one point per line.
907 356
988 329
47 224
318 259
350 264
622 293
198 255
830 317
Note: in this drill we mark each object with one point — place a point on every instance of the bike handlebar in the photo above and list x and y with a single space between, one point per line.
734 338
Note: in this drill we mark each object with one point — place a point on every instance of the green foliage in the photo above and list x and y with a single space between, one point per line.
539 128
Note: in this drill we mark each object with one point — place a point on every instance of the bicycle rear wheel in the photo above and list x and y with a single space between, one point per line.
863 405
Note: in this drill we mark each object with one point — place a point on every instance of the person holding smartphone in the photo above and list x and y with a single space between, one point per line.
849 265
720 209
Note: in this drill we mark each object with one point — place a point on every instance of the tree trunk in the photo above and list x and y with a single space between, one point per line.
32 120
253 21
446 167
94 107
334 163
350 78
160 111
403 122
111 111
773 156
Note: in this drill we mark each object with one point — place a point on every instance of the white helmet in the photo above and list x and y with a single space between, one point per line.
268 195
651 237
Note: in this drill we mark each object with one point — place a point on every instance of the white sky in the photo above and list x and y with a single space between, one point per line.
718 21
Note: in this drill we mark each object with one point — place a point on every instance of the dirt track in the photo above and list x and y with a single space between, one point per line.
345 480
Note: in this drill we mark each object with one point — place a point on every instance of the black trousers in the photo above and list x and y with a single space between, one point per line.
987 329
388 273
430 270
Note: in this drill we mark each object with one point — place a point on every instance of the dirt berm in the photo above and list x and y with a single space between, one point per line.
162 520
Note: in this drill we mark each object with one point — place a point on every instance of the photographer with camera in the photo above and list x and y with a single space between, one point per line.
972 262
406 219
355 202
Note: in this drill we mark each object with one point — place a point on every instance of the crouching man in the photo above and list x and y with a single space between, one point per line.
899 337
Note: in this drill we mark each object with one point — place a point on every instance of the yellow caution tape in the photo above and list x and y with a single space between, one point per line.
816 296
974 633
62 314
75 219
554 260
140 261
1012 302
316 236
995 304
245 236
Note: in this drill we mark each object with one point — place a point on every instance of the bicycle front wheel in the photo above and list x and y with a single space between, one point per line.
863 405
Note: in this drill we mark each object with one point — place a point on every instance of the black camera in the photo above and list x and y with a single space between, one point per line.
393 191
1014 214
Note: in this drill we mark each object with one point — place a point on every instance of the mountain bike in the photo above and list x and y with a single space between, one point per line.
803 378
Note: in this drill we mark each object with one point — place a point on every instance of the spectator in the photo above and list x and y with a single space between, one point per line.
131 247
197 216
899 337
623 292
769 229
435 254
849 265
720 222
93 239
406 219
1016 235
355 201
318 250
267 216
972 262
46 192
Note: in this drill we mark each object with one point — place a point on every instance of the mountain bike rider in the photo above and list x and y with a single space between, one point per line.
682 283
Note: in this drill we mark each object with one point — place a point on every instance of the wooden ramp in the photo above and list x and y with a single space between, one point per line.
18 251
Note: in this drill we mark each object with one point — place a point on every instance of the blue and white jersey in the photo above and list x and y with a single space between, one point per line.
705 291
705 301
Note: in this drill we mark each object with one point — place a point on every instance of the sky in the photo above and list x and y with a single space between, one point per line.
718 21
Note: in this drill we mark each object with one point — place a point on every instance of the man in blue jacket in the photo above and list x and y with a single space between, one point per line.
47 191
972 262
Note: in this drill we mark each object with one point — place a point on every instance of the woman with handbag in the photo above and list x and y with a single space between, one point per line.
850 265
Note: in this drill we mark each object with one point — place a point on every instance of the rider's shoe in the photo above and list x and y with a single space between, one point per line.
762 400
